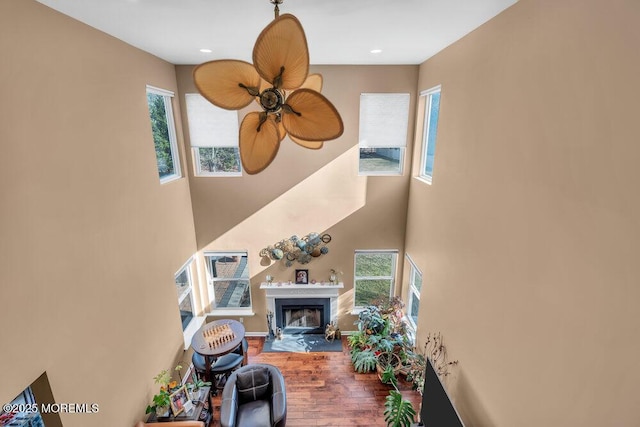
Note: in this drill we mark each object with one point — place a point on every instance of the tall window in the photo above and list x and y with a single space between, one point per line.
415 284
213 133
184 288
430 130
229 274
374 276
384 118
164 133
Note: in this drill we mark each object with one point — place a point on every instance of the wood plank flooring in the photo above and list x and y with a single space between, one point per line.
324 390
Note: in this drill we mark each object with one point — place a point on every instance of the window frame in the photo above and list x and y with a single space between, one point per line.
391 278
211 127
211 280
413 291
427 96
171 130
187 268
402 145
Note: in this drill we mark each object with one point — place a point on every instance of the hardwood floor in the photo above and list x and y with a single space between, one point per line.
324 390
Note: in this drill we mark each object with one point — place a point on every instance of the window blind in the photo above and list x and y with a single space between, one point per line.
384 118
210 126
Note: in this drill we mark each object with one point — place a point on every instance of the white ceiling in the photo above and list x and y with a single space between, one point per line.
338 31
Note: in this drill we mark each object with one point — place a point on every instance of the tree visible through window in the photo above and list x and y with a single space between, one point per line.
218 159
163 130
374 276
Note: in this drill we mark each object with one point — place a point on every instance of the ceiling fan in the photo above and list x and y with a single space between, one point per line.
279 81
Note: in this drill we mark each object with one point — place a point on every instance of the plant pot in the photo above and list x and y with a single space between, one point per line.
194 394
388 359
162 411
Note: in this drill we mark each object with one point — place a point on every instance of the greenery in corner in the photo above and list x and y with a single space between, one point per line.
381 343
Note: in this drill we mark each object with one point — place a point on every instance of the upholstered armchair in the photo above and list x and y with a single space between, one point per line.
255 396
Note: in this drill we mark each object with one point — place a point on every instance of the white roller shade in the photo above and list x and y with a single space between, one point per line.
210 126
384 118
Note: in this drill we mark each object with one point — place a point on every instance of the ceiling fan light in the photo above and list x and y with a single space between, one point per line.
218 81
281 50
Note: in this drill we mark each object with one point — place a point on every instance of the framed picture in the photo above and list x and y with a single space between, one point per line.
178 400
302 277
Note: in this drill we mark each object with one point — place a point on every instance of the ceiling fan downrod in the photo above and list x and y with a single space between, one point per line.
276 9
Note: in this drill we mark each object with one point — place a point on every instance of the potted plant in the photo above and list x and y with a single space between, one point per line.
161 400
160 405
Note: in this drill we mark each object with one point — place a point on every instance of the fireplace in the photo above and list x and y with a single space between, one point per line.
302 315
303 305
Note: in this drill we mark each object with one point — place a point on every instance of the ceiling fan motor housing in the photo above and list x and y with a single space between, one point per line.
271 100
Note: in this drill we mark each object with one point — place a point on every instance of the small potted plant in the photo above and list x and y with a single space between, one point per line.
196 385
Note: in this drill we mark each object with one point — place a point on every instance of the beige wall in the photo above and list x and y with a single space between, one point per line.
90 239
528 237
308 190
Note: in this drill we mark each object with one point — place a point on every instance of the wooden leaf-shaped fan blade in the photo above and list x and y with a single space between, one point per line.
218 82
257 148
313 145
282 44
314 81
318 120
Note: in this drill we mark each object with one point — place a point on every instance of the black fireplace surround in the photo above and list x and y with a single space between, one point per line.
322 304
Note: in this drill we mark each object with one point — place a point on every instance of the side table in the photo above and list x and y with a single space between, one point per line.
202 411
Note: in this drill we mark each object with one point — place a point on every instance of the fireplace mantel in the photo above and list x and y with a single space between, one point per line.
277 290
290 290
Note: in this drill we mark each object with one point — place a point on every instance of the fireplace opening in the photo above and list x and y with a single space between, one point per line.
302 315
303 318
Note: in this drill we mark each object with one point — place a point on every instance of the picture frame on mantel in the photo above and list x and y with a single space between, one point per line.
302 277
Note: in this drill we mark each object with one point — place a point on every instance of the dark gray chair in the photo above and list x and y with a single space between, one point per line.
222 366
254 396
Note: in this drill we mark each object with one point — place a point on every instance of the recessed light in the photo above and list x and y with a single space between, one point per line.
376 50
206 50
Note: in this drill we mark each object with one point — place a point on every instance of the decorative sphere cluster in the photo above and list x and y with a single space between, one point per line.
300 249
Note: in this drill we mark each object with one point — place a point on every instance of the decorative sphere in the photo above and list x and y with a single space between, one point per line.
313 238
277 254
324 250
